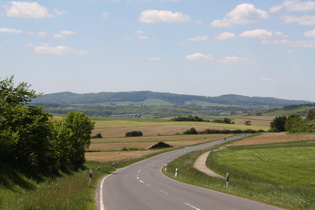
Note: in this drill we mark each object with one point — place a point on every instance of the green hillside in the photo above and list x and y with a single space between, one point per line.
169 98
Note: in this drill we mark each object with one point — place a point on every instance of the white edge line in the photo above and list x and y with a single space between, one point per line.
101 193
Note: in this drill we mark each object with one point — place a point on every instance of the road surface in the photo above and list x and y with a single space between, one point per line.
142 186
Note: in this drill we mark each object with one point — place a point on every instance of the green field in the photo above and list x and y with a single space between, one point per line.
278 174
289 164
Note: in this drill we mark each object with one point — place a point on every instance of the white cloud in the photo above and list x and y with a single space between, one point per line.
257 33
302 44
293 44
235 60
225 36
280 34
58 50
310 33
302 20
105 14
294 5
139 32
10 30
60 12
198 57
199 38
162 16
266 79
242 14
63 33
143 37
40 34
275 8
155 59
27 10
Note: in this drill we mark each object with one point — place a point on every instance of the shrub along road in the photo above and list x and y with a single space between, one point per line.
143 186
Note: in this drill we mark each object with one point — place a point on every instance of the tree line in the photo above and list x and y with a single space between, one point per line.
294 123
31 140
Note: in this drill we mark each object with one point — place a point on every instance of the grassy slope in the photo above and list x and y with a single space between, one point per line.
66 191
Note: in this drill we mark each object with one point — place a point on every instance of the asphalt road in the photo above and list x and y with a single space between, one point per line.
142 186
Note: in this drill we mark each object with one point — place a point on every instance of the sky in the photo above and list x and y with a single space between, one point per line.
196 47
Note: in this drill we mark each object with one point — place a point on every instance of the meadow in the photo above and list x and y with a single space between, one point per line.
275 173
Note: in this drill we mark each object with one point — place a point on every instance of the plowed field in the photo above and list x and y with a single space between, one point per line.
269 138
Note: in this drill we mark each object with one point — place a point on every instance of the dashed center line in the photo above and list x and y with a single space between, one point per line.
164 192
194 207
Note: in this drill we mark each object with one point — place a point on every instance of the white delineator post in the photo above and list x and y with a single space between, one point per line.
227 178
90 178
176 172
165 166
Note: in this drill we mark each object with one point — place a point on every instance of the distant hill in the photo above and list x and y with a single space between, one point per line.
68 98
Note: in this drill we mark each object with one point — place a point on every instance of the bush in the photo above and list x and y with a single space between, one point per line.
191 131
133 133
97 136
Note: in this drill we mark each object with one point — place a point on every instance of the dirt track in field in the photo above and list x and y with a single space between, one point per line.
269 138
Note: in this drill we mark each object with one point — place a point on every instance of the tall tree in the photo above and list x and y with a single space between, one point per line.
277 125
73 137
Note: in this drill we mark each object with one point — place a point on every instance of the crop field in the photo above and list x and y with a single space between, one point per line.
111 149
117 127
278 172
269 138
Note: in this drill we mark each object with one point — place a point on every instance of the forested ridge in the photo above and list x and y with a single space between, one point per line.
175 99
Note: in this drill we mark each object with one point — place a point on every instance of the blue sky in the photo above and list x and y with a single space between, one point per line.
198 47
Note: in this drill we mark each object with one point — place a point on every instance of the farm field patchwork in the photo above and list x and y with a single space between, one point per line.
111 149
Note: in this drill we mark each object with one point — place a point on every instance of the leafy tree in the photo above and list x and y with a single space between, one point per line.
311 114
277 125
293 121
73 137
25 130
248 122
191 131
19 95
134 133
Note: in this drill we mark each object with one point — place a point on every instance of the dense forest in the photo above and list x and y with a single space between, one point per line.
29 138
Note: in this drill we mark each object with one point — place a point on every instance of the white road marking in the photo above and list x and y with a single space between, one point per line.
141 181
164 192
137 177
102 207
194 207
148 185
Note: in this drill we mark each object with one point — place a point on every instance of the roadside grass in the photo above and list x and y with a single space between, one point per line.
278 174
67 190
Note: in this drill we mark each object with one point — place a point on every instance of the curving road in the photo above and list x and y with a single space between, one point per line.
143 186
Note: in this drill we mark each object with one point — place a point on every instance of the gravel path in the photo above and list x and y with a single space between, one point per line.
200 165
